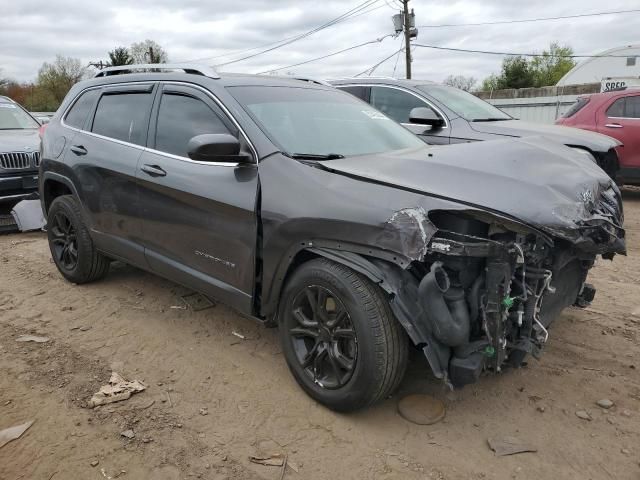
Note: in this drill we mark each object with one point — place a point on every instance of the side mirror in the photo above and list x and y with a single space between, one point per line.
425 116
216 147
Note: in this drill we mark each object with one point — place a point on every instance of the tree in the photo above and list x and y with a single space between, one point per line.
552 65
148 52
461 82
56 79
120 56
540 71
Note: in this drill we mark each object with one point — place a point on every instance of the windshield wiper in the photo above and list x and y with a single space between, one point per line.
491 119
314 156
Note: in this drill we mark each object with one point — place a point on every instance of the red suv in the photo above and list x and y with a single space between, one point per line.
616 114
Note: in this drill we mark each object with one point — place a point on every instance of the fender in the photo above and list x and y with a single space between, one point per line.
48 175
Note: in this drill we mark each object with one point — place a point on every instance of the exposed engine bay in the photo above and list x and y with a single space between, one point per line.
488 294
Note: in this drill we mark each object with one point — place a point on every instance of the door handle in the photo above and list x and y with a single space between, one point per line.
78 149
153 170
613 125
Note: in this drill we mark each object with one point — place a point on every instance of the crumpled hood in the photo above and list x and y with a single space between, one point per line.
539 182
19 140
595 142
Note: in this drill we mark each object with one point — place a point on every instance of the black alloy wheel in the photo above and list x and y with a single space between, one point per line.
64 242
323 336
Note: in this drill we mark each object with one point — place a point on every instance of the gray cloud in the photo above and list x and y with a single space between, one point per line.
34 31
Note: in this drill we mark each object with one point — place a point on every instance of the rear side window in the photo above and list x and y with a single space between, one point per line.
617 108
576 107
81 109
180 118
123 116
632 107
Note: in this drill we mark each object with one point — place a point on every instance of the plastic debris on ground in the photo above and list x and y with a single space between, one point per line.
13 433
509 446
32 338
28 215
117 390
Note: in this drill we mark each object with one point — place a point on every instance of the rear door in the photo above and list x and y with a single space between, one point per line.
200 224
103 157
620 118
397 104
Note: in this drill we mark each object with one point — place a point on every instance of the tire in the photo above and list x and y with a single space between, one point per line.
70 244
351 354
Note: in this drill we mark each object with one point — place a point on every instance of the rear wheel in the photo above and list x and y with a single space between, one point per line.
339 337
71 246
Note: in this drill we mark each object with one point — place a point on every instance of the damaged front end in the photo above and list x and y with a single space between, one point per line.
482 289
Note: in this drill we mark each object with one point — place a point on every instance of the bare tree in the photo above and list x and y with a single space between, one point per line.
461 82
58 77
148 51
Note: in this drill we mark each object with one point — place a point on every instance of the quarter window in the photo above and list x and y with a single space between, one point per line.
394 103
81 109
180 118
358 91
123 116
632 107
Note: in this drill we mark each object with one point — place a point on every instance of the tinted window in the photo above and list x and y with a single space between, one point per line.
632 107
616 109
322 121
181 118
395 103
123 116
576 107
80 110
360 92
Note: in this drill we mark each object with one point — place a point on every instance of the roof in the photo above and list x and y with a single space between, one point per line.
4 99
615 59
381 81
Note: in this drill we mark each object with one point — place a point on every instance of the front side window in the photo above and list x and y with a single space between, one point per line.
468 106
395 103
81 109
632 107
123 116
616 109
322 122
180 118
12 117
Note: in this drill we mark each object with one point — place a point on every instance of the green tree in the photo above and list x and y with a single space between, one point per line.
148 52
56 79
552 65
120 56
516 73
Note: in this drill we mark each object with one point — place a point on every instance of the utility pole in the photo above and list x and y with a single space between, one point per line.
407 37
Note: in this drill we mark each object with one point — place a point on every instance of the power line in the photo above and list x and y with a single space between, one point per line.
377 40
369 71
349 13
543 19
511 54
240 52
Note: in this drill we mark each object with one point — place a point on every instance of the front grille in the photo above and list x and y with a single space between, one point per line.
19 160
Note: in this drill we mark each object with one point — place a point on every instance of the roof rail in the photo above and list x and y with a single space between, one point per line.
191 68
311 80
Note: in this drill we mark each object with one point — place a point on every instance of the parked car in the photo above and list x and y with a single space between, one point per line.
19 152
303 207
617 114
443 115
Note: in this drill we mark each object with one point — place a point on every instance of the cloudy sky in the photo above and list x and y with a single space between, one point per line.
220 31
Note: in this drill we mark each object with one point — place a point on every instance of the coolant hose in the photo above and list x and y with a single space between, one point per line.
445 307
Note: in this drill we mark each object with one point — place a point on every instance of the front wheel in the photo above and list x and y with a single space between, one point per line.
339 336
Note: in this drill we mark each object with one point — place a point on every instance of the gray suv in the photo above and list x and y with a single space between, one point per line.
304 208
19 152
443 115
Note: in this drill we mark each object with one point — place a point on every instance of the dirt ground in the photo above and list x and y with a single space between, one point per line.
213 398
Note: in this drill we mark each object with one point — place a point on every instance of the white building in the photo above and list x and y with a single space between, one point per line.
619 66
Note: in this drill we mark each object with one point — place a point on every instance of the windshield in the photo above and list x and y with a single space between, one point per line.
322 123
468 106
12 117
576 107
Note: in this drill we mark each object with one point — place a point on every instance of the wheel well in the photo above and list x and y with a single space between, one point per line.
52 190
